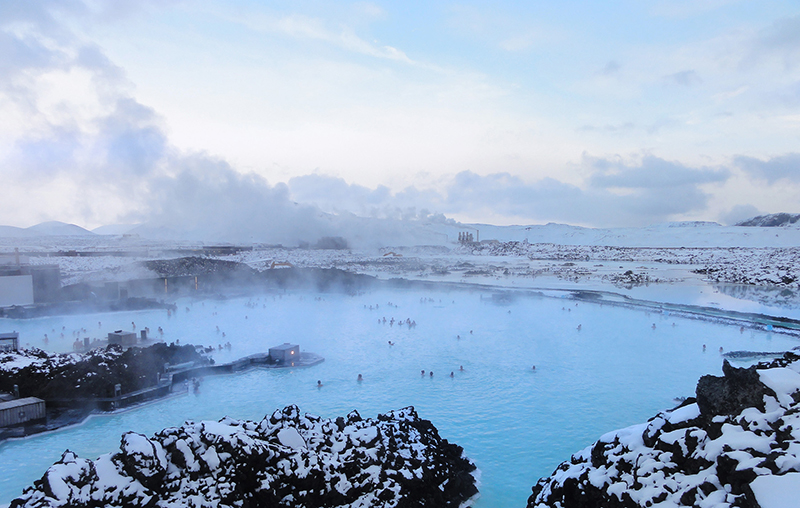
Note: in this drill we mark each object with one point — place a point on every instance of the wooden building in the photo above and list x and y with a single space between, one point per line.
18 411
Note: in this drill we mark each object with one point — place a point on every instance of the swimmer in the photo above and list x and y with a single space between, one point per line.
720 350
451 374
458 337
470 332
422 372
391 343
133 325
533 368
704 347
741 329
579 327
461 368
431 373
360 378
319 384
654 326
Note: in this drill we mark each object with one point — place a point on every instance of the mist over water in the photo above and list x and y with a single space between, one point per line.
515 423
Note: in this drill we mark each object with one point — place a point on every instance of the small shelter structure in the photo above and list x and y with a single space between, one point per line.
286 353
17 411
9 341
122 338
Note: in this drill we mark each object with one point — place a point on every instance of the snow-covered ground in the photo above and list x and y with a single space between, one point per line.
762 279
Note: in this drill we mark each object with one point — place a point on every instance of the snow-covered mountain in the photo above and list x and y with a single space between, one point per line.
51 228
365 232
114 229
772 220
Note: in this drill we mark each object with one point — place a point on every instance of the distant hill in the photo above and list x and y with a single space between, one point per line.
56 228
114 229
771 220
11 232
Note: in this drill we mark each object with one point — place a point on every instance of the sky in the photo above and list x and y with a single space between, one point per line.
207 113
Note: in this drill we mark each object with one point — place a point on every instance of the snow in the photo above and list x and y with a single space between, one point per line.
289 437
685 413
774 491
128 479
783 381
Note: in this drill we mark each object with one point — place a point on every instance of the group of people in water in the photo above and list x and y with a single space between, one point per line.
423 373
409 322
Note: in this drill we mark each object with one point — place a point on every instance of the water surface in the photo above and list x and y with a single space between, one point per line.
516 423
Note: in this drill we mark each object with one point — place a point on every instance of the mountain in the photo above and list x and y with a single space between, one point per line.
114 229
772 220
11 232
56 228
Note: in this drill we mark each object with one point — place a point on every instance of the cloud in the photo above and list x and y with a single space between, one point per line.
783 167
777 43
611 68
653 191
683 78
117 151
686 8
616 193
335 195
651 173
305 27
739 213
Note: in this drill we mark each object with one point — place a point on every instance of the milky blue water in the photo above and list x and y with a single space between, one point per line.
517 424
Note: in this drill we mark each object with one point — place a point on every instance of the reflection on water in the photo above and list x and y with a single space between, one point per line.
598 368
765 295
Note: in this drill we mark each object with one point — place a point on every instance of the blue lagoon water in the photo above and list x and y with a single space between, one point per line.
517 424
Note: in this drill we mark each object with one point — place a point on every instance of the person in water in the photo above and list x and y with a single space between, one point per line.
319 384
360 378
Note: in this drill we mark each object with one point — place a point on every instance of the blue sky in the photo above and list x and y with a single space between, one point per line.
590 113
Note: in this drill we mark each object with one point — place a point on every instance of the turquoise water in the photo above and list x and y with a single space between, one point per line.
515 423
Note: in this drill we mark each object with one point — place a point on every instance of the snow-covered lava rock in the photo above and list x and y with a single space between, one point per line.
286 460
736 444
52 376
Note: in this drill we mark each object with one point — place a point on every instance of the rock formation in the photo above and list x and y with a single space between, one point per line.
286 460
52 376
736 444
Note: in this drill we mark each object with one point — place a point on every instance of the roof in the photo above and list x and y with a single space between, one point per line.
284 347
26 401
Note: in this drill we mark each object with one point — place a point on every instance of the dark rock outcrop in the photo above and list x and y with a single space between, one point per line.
52 376
286 460
730 394
771 220
728 447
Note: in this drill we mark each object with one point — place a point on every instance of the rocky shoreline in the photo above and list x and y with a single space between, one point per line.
736 444
285 460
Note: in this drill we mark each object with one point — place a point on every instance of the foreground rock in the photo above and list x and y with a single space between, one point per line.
286 460
736 444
